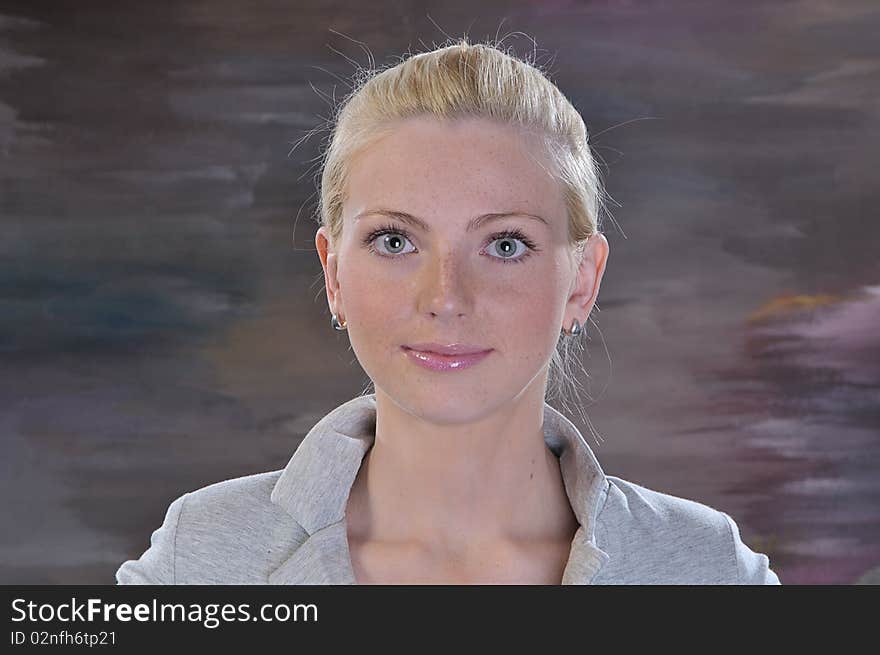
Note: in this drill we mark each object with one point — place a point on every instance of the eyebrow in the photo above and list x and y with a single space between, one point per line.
472 225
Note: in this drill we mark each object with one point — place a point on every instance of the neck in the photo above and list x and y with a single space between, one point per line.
489 478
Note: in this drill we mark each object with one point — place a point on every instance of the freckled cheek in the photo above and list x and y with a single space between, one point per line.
523 315
376 305
536 317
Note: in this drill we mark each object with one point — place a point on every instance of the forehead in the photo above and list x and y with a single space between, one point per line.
423 166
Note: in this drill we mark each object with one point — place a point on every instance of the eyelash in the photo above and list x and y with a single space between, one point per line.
504 234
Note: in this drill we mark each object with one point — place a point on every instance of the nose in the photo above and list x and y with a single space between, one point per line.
444 288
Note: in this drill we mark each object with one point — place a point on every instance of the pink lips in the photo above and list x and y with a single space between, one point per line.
447 348
455 357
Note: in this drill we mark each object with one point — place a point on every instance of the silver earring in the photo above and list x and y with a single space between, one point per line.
337 325
575 329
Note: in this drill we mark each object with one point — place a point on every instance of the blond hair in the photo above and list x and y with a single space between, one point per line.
465 80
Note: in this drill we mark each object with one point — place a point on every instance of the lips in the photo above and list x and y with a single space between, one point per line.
447 349
440 362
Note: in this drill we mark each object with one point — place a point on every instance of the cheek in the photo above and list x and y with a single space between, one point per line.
530 306
536 316
377 304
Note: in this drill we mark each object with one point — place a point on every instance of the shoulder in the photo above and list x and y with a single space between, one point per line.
228 532
235 500
658 538
660 510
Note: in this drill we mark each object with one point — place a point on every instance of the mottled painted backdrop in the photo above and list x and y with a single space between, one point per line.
163 323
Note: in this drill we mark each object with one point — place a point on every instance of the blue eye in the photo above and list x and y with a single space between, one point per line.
511 238
391 239
396 237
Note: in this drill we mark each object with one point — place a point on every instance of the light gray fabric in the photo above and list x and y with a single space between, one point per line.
289 526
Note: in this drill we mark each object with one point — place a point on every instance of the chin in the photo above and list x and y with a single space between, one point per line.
443 406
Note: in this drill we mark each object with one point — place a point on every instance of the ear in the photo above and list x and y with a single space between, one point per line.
585 288
329 263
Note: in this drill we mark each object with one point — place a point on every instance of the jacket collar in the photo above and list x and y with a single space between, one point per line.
315 485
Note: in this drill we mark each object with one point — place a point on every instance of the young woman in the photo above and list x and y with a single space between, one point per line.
461 250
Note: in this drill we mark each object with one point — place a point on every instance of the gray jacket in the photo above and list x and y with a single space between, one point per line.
289 526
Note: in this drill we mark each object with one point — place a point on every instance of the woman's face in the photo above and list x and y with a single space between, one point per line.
449 282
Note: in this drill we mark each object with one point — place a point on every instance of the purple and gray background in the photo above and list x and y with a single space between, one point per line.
163 323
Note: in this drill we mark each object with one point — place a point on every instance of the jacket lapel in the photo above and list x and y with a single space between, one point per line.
322 559
584 561
314 489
